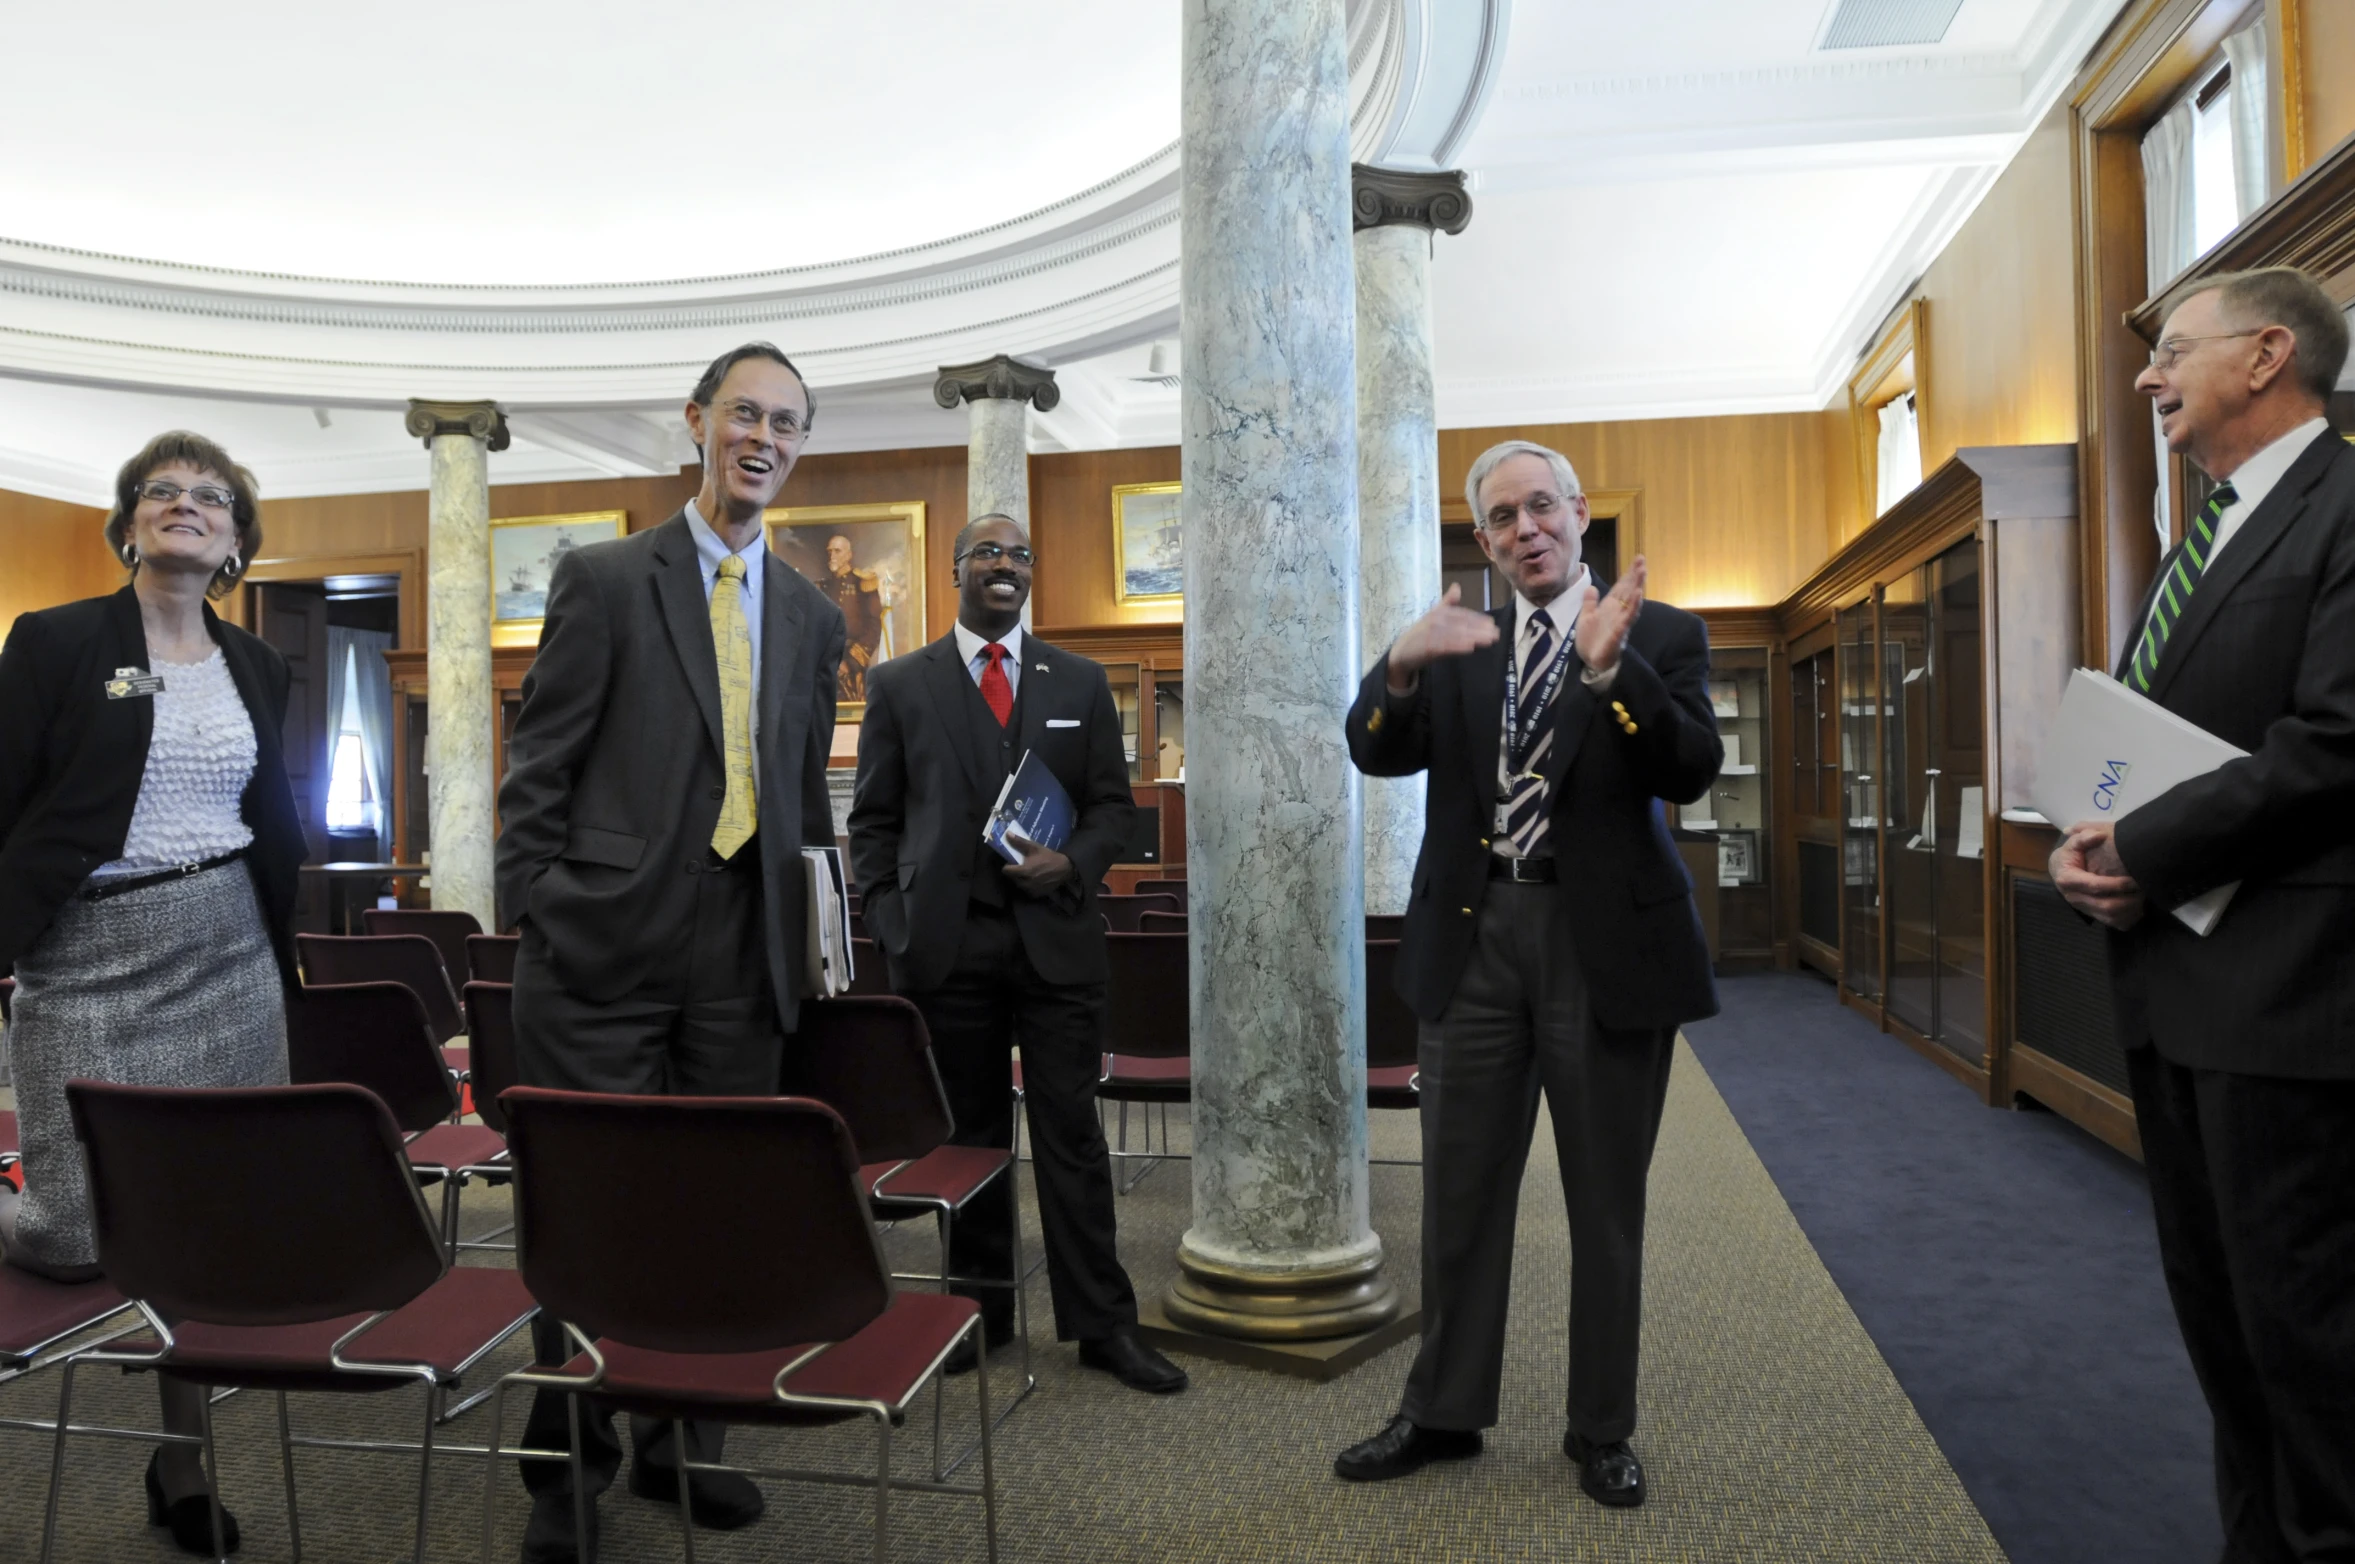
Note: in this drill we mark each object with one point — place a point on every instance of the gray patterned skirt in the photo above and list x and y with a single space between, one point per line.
170 985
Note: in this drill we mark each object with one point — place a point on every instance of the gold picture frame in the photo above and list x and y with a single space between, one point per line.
878 583
1148 544
524 551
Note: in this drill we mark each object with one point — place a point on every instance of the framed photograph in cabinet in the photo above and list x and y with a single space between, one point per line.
868 560
1737 857
524 553
1148 543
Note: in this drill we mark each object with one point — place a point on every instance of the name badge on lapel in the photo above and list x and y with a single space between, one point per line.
130 683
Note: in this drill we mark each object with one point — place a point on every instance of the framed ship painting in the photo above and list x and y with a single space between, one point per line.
1148 544
524 552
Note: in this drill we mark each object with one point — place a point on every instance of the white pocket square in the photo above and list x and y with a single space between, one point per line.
1062 722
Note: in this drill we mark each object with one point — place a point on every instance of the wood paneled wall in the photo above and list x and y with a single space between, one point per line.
1071 512
2002 316
1728 510
53 554
2325 106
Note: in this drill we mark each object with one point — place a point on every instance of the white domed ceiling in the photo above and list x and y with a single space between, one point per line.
277 222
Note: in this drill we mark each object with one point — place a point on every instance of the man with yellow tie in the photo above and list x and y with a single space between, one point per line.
667 768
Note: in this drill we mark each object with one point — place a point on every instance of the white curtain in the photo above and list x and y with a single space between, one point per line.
1899 462
2245 52
362 651
2170 213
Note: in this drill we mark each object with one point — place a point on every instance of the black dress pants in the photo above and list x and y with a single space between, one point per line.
2253 1188
993 999
704 1023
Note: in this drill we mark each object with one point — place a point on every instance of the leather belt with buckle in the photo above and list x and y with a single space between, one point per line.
1522 871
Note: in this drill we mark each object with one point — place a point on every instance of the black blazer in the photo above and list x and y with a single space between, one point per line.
1630 901
923 792
71 761
2264 657
615 772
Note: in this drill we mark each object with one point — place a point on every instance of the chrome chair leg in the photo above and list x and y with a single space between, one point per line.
686 1492
294 1523
425 1467
212 1477
989 1471
883 1483
65 1406
580 1488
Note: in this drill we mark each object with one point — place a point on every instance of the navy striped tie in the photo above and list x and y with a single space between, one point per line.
1525 812
2175 588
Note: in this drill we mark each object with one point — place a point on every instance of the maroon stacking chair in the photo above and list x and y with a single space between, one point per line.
11 1150
1161 923
1121 912
38 1317
448 928
870 1060
490 1021
1393 1074
1175 888
1148 1037
744 1286
393 958
303 1260
375 1035
490 958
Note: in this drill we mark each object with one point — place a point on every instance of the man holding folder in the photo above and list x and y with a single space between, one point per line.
995 952
2241 1044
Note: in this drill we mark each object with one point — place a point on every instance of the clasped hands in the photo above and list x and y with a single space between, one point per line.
2089 874
1451 630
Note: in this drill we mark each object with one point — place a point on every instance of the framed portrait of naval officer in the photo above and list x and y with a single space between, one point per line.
869 562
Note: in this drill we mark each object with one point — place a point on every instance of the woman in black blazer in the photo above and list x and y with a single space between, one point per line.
148 849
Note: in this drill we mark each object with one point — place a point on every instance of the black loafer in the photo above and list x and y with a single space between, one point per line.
1127 1359
724 1501
1403 1447
190 1518
968 1353
548 1537
1608 1473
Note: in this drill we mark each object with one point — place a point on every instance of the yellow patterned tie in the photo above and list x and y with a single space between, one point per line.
732 642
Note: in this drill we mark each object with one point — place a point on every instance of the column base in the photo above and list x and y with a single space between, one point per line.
1303 1305
1323 1359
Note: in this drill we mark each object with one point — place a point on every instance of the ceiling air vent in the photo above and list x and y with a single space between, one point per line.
1876 24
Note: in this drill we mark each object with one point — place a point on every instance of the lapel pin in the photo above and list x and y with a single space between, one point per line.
1038 667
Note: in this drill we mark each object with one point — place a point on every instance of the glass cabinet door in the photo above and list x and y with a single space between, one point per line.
1958 738
1860 870
1123 677
1910 803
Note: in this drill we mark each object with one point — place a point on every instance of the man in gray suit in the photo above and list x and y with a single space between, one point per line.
666 770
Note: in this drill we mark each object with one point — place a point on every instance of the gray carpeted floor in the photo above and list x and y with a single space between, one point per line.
1772 1429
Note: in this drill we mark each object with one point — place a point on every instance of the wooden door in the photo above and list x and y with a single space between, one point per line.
292 616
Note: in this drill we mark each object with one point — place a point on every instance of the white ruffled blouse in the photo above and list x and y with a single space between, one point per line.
198 763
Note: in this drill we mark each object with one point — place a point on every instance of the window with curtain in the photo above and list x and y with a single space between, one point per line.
351 802
2203 161
1899 455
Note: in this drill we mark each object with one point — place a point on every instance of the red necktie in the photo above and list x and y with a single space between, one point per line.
995 688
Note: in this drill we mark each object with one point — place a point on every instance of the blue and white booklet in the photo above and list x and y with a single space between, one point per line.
1032 811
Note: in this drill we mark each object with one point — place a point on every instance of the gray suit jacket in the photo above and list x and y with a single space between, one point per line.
615 773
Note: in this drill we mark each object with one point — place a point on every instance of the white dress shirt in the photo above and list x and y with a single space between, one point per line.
2257 477
709 551
970 643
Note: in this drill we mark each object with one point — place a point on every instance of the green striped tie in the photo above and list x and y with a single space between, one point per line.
2191 562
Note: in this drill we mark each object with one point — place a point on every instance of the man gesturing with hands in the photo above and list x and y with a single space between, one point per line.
1551 944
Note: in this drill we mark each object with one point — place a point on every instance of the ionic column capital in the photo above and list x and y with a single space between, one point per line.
1379 197
1003 378
483 420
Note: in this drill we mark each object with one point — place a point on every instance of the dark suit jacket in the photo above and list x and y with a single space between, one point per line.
1629 899
615 772
71 761
2264 657
923 792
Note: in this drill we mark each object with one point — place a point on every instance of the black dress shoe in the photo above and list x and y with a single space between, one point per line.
1402 1447
1127 1359
1608 1473
191 1518
968 1353
724 1501
548 1537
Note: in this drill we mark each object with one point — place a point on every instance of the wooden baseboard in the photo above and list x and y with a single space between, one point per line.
1972 1075
2087 1103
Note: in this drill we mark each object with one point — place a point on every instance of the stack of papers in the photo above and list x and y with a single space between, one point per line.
2111 751
827 964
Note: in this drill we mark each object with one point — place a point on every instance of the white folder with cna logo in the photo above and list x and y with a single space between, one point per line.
2111 751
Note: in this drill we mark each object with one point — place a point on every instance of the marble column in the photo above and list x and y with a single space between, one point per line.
462 708
1396 214
998 394
1280 1246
